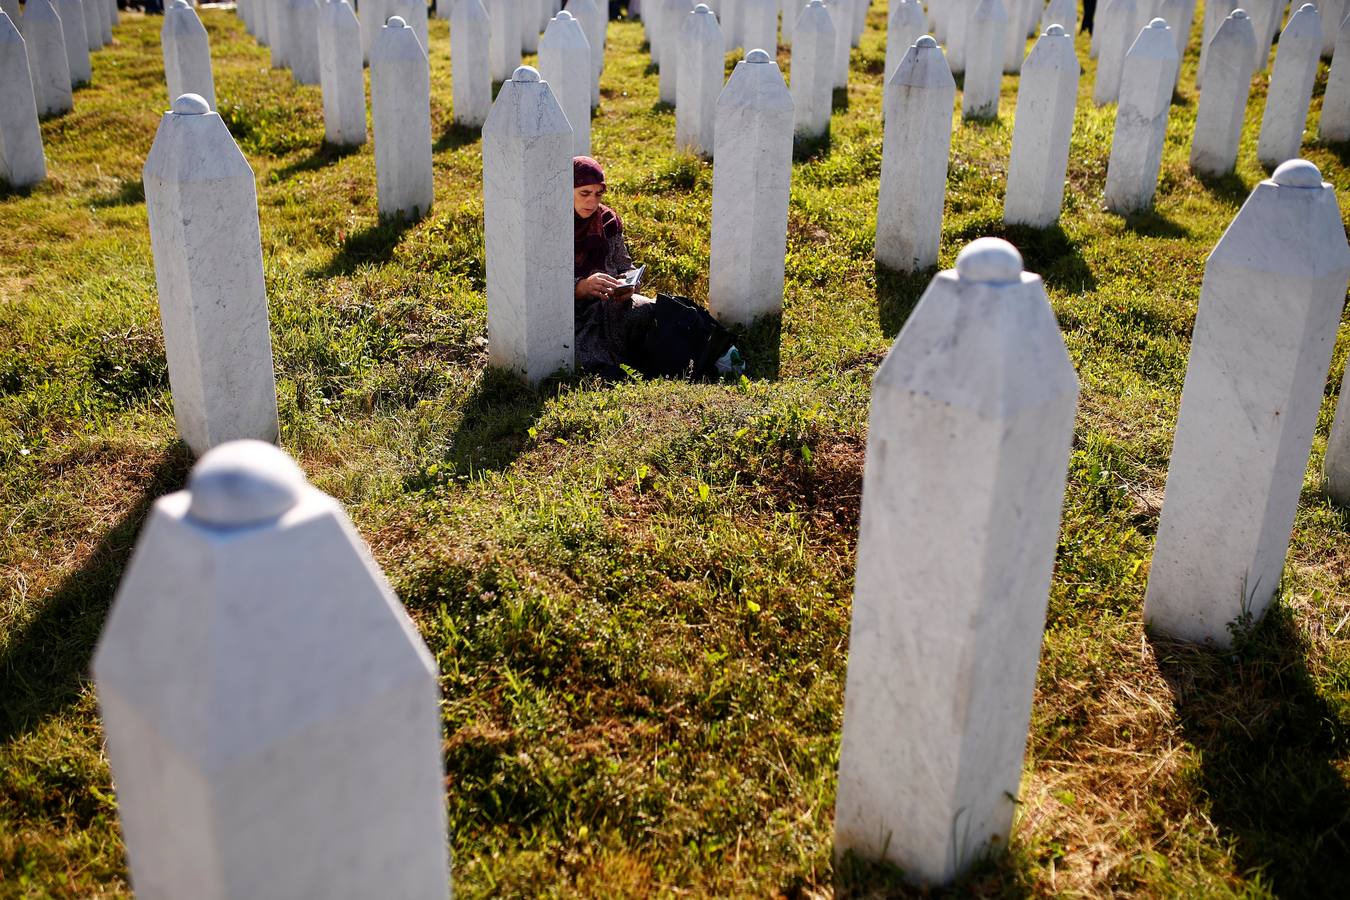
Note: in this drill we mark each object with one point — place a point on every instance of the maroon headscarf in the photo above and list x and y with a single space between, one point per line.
591 235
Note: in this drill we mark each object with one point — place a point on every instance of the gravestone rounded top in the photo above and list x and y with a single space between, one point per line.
1239 14
525 73
1306 6
702 9
989 259
243 483
926 42
1157 23
395 22
756 56
1055 31
191 105
816 3
1297 173
178 4
564 15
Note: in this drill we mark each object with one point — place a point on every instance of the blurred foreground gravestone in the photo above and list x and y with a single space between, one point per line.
272 715
1271 298
968 446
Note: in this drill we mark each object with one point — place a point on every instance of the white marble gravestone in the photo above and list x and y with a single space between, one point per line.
187 54
788 11
673 14
593 21
22 162
1117 21
915 148
279 30
752 174
1334 124
414 14
530 32
76 38
1141 120
1333 13
344 88
372 15
700 58
1290 91
272 715
841 13
47 62
1014 38
1042 128
400 110
1266 18
108 19
813 71
968 447
1063 13
730 18
859 10
958 16
1270 302
302 40
470 69
565 64
1223 99
527 230
203 211
92 13
1216 13
759 25
1336 465
985 37
1178 14
906 25
504 39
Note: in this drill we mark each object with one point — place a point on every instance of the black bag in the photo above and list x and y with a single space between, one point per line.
684 341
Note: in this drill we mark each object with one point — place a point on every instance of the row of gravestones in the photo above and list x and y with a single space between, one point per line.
44 56
272 715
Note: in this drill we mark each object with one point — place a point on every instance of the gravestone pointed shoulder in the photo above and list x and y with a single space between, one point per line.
1335 122
400 108
527 230
906 25
414 13
701 62
969 434
760 25
187 54
1336 465
1223 99
470 68
565 63
272 716
593 22
302 23
1141 120
813 71
841 12
504 41
915 148
22 162
752 174
673 14
1216 12
203 210
1291 85
1271 299
93 24
1063 13
1042 129
47 62
1118 23
985 34
76 38
344 88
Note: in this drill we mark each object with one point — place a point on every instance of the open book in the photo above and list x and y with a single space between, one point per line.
634 277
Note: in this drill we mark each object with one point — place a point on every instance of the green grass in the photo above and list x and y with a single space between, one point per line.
638 596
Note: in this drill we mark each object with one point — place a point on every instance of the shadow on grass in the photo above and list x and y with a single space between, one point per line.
494 425
897 294
1223 187
1338 149
373 244
455 136
129 193
839 99
1002 875
8 190
324 156
1271 747
761 344
46 662
808 149
1152 223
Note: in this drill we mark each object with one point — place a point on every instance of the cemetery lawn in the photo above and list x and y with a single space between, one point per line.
638 595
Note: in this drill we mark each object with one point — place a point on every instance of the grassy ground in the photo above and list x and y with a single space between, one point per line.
638 596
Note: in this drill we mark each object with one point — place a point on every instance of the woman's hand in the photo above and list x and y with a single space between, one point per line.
601 284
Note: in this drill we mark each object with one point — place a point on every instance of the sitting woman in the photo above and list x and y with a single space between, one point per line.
612 321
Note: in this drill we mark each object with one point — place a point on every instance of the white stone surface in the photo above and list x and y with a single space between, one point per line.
187 54
841 13
1290 91
701 62
1334 124
968 446
530 32
1336 465
47 63
1014 38
788 11
203 211
813 71
1118 22
1141 120
400 111
1179 16
752 175
279 30
414 14
1223 100
372 15
470 68
565 64
594 21
272 715
108 19
673 14
1063 13
914 153
261 22
504 41
344 88
1332 11
730 18
93 24
21 158
1042 128
957 17
1216 12
906 25
76 39
1267 16
527 230
760 25
859 11
1270 302
985 44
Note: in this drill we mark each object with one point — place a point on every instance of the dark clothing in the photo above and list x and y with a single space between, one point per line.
609 333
